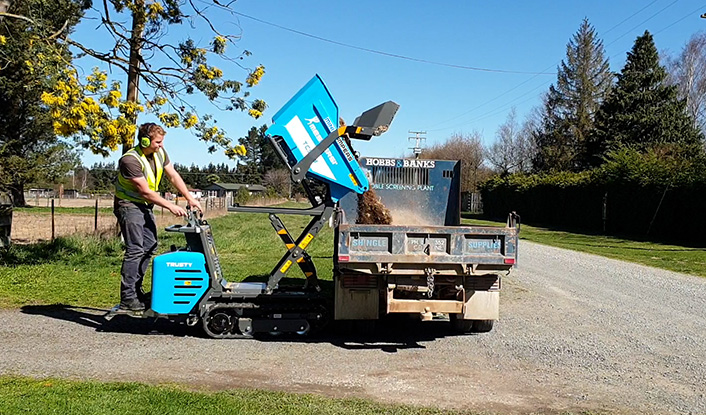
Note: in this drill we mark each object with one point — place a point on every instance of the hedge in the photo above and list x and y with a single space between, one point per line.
643 199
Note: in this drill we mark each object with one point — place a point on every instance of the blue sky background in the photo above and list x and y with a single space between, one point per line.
517 36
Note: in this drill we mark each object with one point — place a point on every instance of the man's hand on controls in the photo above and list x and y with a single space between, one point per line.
176 210
195 204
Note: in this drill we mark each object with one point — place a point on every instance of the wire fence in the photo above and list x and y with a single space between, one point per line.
95 217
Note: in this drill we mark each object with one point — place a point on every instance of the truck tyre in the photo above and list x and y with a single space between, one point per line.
459 325
482 326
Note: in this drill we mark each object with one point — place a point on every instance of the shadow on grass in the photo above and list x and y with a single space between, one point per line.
596 238
61 249
37 253
477 216
622 244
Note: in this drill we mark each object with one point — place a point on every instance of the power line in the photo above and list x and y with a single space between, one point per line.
643 22
392 55
685 16
493 112
529 79
484 104
629 17
497 110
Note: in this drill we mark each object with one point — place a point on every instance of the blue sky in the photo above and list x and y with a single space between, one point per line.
514 36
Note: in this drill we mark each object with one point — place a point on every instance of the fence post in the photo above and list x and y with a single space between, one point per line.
52 219
95 218
605 210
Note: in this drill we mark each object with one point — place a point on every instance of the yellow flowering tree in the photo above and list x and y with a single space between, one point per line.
32 53
160 76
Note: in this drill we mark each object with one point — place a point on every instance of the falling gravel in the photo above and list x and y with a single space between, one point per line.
577 333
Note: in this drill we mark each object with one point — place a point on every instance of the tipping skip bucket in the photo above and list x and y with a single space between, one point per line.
306 120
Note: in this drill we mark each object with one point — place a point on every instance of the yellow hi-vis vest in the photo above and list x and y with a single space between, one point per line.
126 189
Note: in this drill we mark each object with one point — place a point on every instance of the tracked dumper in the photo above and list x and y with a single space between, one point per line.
430 265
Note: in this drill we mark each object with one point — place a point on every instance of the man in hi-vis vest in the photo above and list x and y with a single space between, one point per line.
139 173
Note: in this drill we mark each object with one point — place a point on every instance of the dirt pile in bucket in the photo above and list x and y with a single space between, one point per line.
371 211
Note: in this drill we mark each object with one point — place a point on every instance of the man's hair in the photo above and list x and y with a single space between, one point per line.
150 130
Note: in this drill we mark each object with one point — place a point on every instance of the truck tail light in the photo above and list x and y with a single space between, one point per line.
344 258
510 261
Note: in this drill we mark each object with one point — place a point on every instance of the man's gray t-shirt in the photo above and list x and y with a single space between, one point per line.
130 167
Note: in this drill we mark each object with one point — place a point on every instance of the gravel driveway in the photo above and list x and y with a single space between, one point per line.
577 332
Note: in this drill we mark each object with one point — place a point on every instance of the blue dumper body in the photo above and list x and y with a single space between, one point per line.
303 122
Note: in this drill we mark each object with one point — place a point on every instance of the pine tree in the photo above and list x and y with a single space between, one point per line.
643 111
551 140
583 81
260 157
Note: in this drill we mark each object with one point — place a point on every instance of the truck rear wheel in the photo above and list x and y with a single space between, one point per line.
461 325
482 326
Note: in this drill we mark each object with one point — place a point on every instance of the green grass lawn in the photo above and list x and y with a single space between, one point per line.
670 257
54 396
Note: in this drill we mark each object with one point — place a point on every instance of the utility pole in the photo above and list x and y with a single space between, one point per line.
418 137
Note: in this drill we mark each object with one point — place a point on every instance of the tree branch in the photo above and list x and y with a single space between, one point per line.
17 16
206 19
58 32
101 56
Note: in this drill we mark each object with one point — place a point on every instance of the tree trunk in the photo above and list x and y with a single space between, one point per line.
17 190
133 76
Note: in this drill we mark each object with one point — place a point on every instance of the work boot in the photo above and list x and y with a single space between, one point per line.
132 305
144 297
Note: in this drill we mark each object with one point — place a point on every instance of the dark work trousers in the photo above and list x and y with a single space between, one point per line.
139 231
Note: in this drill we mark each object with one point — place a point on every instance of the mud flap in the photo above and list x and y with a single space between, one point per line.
356 303
482 305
